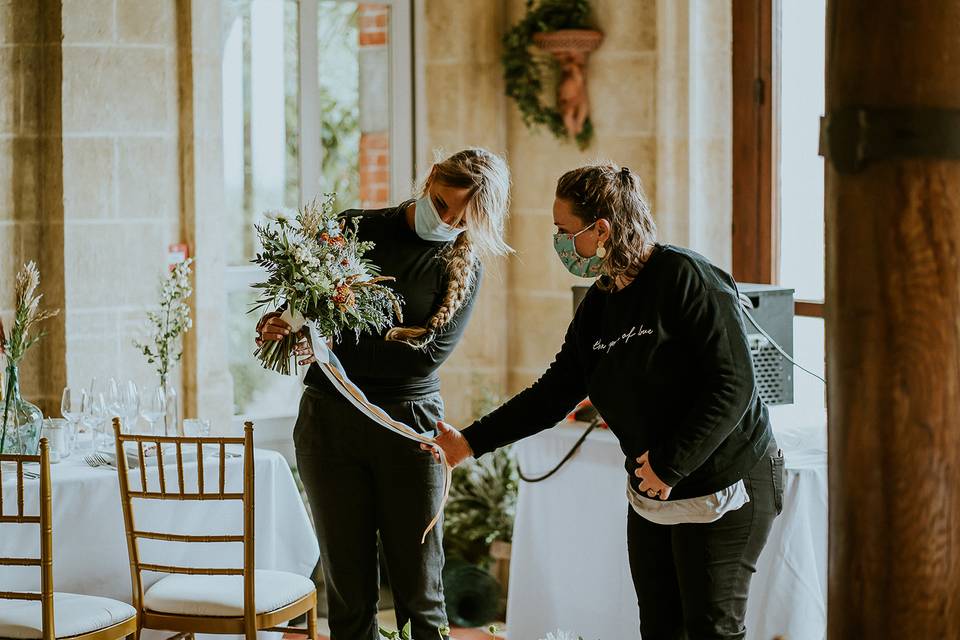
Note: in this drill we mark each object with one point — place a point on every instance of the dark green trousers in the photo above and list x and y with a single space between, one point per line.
361 480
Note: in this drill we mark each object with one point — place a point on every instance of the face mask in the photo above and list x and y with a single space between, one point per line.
573 261
429 225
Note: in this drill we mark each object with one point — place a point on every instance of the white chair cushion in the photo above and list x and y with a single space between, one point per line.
73 614
223 595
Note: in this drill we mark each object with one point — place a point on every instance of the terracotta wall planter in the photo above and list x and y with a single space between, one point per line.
571 47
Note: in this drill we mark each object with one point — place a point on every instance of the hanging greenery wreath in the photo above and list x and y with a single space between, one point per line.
523 71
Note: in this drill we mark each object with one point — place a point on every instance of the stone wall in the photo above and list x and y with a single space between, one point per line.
93 186
659 89
121 195
460 103
622 80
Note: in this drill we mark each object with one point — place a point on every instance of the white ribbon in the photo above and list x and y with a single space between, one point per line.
335 373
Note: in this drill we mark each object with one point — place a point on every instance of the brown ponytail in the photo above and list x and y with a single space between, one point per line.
616 194
488 178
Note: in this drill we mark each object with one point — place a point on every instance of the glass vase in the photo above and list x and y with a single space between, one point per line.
171 416
20 421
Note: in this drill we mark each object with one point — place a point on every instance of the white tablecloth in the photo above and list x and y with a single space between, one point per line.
569 566
89 545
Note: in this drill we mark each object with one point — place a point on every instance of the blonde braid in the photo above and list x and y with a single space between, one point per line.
461 277
487 177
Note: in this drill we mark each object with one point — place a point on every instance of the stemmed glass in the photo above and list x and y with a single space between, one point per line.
129 405
85 438
93 415
114 401
153 407
101 416
71 409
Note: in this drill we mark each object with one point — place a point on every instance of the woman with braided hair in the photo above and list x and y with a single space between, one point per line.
361 479
659 345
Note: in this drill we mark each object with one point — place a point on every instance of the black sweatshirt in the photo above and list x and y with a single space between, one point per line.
387 371
666 362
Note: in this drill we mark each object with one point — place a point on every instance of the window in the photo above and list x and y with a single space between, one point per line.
316 98
779 79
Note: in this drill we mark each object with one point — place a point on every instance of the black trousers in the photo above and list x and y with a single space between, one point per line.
361 479
692 580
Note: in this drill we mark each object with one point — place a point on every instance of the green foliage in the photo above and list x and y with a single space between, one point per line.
523 71
483 496
481 507
340 139
402 634
167 325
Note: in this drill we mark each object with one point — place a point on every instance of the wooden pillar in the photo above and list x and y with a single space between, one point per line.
893 335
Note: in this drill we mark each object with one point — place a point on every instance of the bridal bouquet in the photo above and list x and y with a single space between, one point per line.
316 270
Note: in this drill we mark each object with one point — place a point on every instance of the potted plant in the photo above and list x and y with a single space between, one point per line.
563 29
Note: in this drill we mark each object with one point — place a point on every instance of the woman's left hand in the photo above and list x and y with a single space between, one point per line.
650 484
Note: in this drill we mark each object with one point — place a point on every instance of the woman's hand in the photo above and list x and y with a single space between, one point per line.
454 445
304 348
650 484
271 327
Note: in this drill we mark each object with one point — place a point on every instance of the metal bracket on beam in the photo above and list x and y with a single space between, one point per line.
853 137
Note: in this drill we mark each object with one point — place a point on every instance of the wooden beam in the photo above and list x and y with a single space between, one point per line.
893 347
808 308
755 95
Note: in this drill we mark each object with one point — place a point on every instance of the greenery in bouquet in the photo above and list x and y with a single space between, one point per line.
317 271
165 327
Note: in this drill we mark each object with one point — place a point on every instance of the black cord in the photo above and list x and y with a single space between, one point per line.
746 306
594 423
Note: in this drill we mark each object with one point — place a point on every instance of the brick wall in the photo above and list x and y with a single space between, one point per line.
375 142
374 169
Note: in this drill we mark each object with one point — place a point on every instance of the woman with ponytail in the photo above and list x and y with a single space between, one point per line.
659 345
363 480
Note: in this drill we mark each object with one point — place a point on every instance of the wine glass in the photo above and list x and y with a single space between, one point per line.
85 435
153 407
129 405
98 418
70 409
114 400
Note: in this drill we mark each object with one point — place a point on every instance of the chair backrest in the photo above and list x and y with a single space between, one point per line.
203 492
45 561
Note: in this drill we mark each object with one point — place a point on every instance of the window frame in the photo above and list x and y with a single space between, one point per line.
240 277
756 123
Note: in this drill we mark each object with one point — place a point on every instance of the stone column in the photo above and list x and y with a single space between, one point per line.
31 179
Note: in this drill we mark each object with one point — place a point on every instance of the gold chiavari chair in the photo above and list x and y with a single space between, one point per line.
199 599
48 615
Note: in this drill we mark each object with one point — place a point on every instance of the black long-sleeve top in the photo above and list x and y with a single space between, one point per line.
666 362
389 371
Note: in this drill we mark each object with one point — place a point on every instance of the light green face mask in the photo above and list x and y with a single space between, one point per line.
576 264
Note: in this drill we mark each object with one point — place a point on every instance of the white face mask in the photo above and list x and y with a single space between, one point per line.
430 226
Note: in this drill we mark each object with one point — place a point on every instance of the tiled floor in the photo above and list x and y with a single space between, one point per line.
388 621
